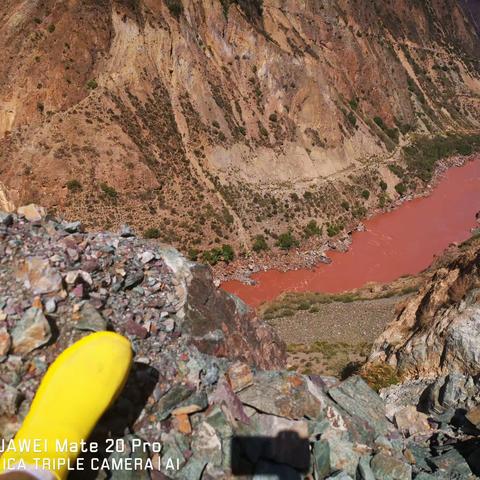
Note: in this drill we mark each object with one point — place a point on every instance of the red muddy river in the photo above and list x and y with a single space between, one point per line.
403 241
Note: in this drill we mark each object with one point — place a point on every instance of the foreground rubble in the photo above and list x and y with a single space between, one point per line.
207 384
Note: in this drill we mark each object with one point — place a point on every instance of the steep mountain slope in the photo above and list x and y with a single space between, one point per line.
208 122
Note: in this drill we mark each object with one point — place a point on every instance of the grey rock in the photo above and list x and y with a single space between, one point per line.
366 408
133 279
206 444
174 397
138 453
364 470
50 306
333 453
147 257
283 394
90 319
72 227
6 218
340 476
386 467
193 470
31 332
11 398
210 375
126 231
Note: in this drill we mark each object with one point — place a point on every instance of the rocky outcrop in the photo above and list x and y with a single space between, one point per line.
207 397
212 121
437 331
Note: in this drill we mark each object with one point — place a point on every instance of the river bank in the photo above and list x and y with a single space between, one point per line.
402 240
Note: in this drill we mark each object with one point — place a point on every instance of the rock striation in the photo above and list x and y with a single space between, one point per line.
208 382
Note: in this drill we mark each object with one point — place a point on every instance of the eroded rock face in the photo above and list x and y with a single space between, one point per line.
200 106
438 331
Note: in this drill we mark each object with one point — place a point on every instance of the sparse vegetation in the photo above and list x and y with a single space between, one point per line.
379 375
352 119
51 28
401 188
224 253
353 103
92 84
286 241
422 156
109 191
151 233
74 186
312 229
365 194
334 229
259 244
175 7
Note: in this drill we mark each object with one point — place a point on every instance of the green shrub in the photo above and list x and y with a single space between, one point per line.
379 122
312 229
333 229
151 233
74 186
227 253
352 118
383 185
193 254
259 244
396 170
422 155
215 255
108 190
401 188
365 194
92 84
175 7
353 103
345 205
51 28
286 241
273 117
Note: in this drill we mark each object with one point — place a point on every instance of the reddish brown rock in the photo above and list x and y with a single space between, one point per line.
239 376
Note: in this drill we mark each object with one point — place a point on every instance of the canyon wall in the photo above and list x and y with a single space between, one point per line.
206 122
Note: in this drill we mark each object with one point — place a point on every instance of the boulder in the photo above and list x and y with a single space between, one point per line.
386 467
411 422
32 212
31 332
39 276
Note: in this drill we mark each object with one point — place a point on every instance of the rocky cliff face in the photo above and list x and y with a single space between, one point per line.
212 121
437 331
207 381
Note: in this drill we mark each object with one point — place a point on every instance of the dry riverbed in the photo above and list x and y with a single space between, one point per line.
331 334
337 336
